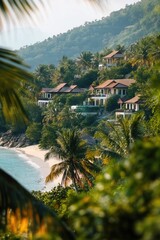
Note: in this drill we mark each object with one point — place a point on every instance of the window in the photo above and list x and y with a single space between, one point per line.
124 91
49 95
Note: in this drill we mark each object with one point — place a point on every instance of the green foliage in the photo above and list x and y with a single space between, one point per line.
33 132
55 199
124 203
118 72
68 119
112 103
87 78
43 75
66 70
117 138
73 166
48 136
34 112
9 236
88 121
76 99
123 27
3 126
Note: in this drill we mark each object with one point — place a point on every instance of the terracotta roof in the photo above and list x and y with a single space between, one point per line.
112 83
112 54
73 86
120 101
67 89
46 90
63 88
105 84
126 81
59 87
91 88
133 100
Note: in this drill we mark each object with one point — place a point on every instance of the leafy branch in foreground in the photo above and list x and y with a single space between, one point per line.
17 9
24 215
13 75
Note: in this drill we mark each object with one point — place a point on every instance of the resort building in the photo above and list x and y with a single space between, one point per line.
129 106
47 94
101 93
111 60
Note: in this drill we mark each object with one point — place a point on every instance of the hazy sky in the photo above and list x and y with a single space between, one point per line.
58 17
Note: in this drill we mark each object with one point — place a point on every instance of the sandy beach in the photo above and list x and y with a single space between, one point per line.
37 157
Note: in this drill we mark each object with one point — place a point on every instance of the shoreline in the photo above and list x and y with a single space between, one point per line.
36 156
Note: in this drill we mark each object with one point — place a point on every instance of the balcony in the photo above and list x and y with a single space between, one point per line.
98 96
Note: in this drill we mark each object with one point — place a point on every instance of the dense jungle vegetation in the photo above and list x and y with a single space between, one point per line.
113 168
111 182
123 27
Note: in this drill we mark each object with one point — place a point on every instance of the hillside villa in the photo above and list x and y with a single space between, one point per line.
129 106
111 60
97 98
102 92
47 94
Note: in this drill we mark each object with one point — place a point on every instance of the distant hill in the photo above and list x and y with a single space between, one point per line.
124 27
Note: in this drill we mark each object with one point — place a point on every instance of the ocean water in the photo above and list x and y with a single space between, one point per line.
20 167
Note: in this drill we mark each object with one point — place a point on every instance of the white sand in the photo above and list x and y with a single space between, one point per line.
37 157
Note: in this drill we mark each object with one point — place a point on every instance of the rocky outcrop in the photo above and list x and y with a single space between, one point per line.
8 139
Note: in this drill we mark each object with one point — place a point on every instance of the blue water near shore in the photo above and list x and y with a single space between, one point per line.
21 168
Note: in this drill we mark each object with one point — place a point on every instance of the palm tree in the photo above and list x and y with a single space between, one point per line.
85 60
19 211
73 166
141 52
117 138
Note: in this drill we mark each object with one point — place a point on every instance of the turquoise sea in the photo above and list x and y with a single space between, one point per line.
20 166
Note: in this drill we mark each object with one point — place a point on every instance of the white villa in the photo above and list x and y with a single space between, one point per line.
129 106
101 93
111 60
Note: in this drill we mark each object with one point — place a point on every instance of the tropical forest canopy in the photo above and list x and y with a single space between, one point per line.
115 191
124 27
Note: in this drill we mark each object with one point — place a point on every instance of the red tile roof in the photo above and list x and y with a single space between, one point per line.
68 89
59 87
114 82
133 100
120 101
112 54
126 81
46 90
63 88
105 84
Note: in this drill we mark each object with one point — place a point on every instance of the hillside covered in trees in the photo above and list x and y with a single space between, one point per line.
124 27
112 187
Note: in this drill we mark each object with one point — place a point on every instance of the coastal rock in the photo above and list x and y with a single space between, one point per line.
8 139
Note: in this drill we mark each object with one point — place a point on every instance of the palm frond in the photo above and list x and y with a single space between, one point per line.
13 76
56 170
17 9
20 212
65 178
113 154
